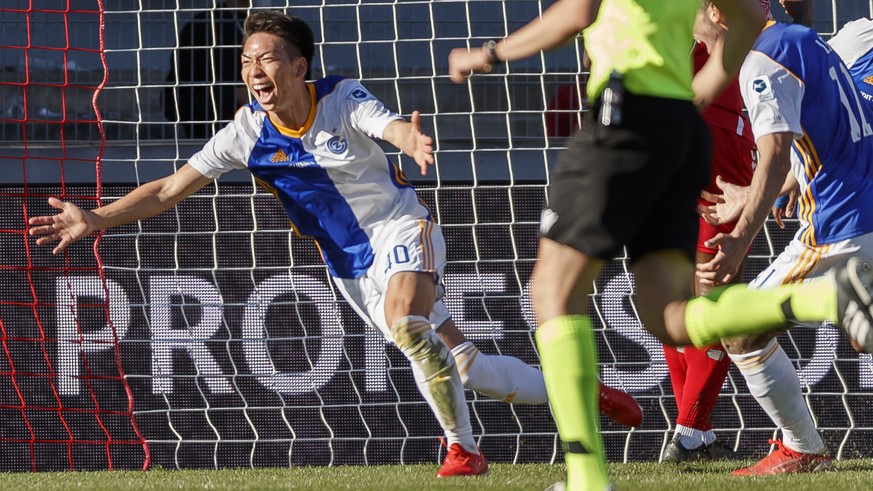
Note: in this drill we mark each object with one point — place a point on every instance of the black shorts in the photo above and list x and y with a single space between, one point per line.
635 184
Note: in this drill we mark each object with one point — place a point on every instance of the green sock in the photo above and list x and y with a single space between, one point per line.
569 360
736 310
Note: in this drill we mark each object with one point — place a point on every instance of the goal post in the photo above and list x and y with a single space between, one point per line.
211 336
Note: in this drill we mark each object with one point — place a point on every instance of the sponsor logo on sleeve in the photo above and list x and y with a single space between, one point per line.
359 94
762 89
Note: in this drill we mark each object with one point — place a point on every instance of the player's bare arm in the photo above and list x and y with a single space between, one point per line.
560 22
149 199
728 53
407 136
767 182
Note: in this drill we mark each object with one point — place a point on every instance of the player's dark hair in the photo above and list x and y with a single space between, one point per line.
800 11
292 30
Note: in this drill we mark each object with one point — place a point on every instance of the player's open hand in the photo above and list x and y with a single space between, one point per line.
726 207
463 62
422 150
724 266
72 224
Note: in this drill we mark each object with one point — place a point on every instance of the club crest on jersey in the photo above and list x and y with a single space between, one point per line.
360 94
337 145
762 88
869 80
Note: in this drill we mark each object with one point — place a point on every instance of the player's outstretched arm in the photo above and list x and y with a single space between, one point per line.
560 22
74 223
407 136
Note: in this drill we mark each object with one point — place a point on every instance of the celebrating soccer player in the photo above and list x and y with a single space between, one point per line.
311 144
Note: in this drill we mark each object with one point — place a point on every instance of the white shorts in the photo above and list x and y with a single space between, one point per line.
800 262
404 245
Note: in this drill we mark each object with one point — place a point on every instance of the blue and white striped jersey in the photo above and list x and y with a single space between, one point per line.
854 44
793 81
335 182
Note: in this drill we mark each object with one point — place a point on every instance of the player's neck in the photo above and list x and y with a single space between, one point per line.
294 114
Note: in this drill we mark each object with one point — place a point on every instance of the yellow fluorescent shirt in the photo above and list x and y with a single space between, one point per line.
649 41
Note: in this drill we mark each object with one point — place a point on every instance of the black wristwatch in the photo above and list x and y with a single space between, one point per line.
490 48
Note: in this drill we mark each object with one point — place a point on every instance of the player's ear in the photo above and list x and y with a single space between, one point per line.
302 66
713 13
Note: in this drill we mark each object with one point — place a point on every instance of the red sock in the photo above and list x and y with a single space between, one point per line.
678 367
707 369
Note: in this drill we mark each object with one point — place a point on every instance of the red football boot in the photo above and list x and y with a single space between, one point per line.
620 406
783 460
460 462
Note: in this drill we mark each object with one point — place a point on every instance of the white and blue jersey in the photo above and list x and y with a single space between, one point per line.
854 44
793 81
335 183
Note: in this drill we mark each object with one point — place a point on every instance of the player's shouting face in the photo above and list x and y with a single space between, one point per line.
272 69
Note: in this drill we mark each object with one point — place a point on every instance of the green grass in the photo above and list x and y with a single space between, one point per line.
850 475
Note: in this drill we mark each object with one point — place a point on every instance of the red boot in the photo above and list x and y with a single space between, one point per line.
460 462
783 460
620 406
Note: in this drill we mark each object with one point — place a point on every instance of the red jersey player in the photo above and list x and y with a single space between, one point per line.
697 374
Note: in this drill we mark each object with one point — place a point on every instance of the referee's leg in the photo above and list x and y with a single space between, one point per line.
562 279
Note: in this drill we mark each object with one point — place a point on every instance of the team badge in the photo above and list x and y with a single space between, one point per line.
337 145
869 80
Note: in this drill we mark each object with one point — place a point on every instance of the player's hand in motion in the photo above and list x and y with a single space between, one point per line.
407 136
724 266
784 206
422 151
727 207
463 62
72 224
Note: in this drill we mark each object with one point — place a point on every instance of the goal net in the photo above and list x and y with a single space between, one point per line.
210 336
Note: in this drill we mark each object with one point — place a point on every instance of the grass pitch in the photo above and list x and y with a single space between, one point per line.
849 475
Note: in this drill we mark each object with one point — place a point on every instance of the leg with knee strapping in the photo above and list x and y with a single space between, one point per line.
437 377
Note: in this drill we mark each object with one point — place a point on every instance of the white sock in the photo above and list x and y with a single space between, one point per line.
504 378
773 381
708 437
689 437
437 377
